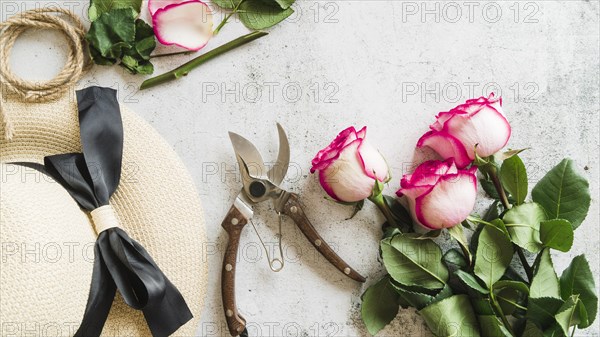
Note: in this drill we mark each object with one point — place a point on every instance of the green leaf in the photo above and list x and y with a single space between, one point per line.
516 285
507 154
255 14
511 295
488 187
413 262
513 176
137 58
545 282
531 330
415 299
99 7
541 311
577 279
563 193
567 315
491 326
358 206
454 260
424 236
452 316
494 211
470 281
457 232
494 253
112 33
283 4
557 234
482 306
523 224
379 305
227 4
400 213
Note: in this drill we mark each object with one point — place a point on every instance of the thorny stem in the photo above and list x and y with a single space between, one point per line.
189 66
185 52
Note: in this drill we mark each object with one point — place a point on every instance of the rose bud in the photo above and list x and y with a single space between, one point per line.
439 194
349 166
478 122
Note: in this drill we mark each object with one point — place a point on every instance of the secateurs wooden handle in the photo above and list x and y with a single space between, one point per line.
260 184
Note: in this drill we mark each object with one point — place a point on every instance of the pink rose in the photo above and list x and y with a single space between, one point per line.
456 132
439 194
349 166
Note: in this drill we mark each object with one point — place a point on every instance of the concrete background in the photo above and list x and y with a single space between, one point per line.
391 65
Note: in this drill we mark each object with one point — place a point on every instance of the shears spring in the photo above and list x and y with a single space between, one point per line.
272 262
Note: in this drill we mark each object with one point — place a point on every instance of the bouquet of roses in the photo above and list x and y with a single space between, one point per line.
502 281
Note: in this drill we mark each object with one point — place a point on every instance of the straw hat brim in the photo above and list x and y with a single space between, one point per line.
156 203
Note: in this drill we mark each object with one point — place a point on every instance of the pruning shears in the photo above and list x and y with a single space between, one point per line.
259 185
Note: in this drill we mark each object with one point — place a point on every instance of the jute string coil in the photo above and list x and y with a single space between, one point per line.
38 92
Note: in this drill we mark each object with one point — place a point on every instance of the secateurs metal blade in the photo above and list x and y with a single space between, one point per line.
260 184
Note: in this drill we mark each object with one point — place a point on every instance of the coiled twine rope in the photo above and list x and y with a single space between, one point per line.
77 64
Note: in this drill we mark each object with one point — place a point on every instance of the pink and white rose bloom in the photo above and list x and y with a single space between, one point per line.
478 122
349 166
439 194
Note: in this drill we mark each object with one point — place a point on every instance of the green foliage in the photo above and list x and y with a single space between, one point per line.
470 281
99 7
514 178
563 193
414 262
452 316
259 14
557 234
458 298
578 279
494 253
545 282
523 225
255 14
491 326
379 305
117 36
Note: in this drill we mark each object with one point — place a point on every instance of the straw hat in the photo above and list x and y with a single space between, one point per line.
47 240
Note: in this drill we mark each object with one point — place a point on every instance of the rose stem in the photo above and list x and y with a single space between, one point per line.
500 312
494 176
379 200
524 262
235 9
184 69
185 52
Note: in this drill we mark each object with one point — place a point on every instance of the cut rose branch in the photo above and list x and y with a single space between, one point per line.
469 287
118 36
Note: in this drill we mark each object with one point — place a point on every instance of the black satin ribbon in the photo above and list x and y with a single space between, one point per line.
91 177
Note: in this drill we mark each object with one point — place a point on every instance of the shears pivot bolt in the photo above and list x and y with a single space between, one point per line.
257 189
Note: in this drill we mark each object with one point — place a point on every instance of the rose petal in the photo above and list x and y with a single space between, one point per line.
446 146
373 162
344 179
186 24
320 161
154 5
487 127
449 202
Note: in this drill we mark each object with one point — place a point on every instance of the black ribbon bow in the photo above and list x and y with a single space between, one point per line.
120 262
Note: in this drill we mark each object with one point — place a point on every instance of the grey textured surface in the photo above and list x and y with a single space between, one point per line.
391 65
